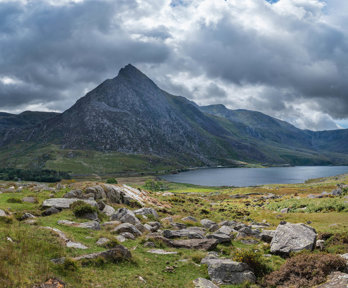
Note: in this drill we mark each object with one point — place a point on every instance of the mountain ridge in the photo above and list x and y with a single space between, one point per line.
130 114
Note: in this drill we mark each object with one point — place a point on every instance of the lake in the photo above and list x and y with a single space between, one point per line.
242 177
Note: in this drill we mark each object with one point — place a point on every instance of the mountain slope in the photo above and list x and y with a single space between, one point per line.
130 114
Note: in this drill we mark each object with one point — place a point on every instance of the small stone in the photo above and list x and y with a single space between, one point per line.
189 218
29 199
204 283
161 252
102 241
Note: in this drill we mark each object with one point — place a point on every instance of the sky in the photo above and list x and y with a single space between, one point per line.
285 58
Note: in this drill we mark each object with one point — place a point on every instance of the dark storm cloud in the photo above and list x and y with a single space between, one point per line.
52 50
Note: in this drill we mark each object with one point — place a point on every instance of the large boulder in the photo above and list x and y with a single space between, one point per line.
108 210
293 238
221 237
228 272
126 216
93 225
64 203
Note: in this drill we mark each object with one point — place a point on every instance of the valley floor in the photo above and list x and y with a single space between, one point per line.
26 249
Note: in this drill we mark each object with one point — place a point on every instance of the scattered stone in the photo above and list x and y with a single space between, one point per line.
166 194
29 199
64 203
284 210
113 255
2 213
50 211
149 244
126 216
26 216
102 241
152 226
336 280
320 244
293 238
67 242
146 212
126 227
336 192
90 216
204 283
120 238
178 225
201 244
183 233
76 245
94 225
128 235
51 283
167 219
206 223
189 218
225 230
220 237
73 194
161 252
108 210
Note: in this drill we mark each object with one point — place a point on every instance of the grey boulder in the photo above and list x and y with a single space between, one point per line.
126 227
204 283
293 238
125 216
146 212
64 203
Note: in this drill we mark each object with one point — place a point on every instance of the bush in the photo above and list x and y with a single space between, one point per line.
305 270
81 208
112 181
253 259
154 185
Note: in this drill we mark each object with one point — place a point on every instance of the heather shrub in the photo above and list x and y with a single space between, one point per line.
253 259
305 270
111 181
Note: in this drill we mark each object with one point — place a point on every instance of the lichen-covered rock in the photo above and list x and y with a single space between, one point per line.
293 238
200 244
116 254
146 212
184 233
93 225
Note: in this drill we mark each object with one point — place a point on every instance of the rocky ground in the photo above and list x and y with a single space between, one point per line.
93 234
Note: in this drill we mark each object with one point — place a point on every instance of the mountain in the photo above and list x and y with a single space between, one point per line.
131 115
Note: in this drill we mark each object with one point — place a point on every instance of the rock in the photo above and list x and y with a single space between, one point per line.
126 216
50 211
93 225
64 203
161 252
97 192
225 230
166 194
51 283
120 238
149 244
128 235
284 210
90 216
67 242
178 225
141 228
102 241
167 219
206 223
335 280
220 237
293 238
29 199
126 227
204 283
345 256
267 235
183 233
75 245
146 212
2 213
189 218
336 192
73 194
202 244
225 271
26 216
320 244
108 210
116 254
312 196
111 223
152 226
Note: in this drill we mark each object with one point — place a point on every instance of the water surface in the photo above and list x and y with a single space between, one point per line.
243 177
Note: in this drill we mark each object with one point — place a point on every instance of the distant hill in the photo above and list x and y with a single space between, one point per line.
131 115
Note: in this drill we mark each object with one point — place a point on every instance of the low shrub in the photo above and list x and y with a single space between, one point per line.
81 208
305 270
254 260
112 181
